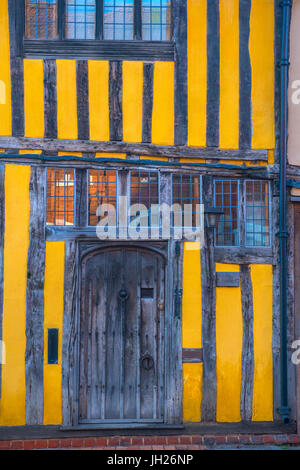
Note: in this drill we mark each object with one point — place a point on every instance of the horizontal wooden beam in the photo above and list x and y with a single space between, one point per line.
92 146
192 355
242 255
97 49
228 279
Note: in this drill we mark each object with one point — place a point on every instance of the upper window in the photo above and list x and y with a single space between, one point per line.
148 20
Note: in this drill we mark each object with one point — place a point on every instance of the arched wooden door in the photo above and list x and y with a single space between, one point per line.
121 377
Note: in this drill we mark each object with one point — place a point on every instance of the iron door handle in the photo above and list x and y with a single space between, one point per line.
147 362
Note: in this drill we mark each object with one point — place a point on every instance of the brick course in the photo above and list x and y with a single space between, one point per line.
182 442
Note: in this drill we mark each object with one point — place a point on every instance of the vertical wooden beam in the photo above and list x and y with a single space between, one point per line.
115 101
138 19
34 356
70 333
148 71
213 73
2 228
82 79
81 197
248 345
17 69
208 281
181 97
276 307
296 242
50 99
245 129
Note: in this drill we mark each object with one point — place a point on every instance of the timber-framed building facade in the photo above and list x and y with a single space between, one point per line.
158 102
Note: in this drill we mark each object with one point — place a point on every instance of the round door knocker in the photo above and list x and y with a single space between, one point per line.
147 362
123 294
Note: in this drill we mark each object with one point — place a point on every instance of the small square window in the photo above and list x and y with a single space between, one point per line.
60 196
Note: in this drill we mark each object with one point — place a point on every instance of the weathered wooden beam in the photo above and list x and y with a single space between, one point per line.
34 356
208 282
115 100
240 255
193 355
16 70
148 74
61 145
180 92
248 344
82 88
50 99
97 49
70 337
227 279
2 229
245 124
213 73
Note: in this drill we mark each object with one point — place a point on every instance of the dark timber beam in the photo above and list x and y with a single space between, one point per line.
91 146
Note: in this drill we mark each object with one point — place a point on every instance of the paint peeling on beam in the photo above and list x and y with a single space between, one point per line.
71 145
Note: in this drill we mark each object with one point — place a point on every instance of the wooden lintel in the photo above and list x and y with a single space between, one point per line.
68 145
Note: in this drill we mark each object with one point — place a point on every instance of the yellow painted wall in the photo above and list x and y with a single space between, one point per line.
229 74
5 98
192 391
196 36
66 99
132 101
229 341
34 98
53 318
16 240
261 47
98 99
163 104
262 277
191 330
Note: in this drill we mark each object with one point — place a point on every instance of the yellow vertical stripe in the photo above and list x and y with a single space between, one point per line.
16 240
196 36
163 104
132 101
53 318
261 276
191 299
261 46
34 98
229 342
5 87
192 391
99 99
229 74
66 99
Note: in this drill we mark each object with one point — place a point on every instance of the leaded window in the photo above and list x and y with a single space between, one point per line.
148 20
257 213
186 200
102 196
227 198
144 198
41 19
60 196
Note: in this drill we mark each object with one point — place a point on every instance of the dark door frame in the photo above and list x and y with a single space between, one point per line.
172 252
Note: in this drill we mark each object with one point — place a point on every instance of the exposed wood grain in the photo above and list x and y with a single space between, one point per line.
50 99
192 355
248 344
148 74
70 335
61 145
208 282
97 49
115 101
245 129
82 81
34 356
2 229
180 38
297 297
81 198
227 279
213 73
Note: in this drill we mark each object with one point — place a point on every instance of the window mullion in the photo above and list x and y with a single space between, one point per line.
242 212
99 18
138 19
61 18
